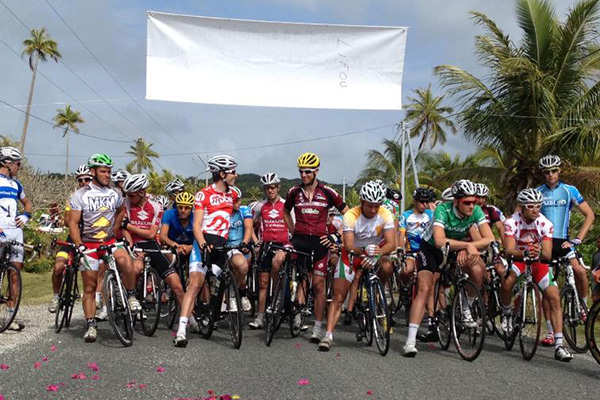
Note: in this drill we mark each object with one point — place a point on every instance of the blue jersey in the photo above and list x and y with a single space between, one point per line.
178 233
414 226
557 206
236 225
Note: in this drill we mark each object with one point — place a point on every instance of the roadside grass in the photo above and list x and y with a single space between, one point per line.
37 288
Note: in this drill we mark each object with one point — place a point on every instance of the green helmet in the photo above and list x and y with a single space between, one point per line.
100 160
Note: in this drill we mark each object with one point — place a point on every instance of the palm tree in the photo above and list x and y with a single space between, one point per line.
427 118
38 47
67 119
142 153
384 165
541 95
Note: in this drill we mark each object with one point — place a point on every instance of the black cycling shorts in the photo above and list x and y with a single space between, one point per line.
158 261
429 257
266 257
557 250
308 243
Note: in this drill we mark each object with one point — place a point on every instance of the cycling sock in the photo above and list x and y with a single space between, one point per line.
182 325
329 335
558 339
584 299
98 297
91 322
506 310
131 293
549 327
412 334
260 315
318 324
55 296
242 292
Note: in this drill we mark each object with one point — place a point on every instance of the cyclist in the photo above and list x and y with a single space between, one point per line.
84 177
96 211
369 231
177 224
12 223
212 214
310 201
493 216
163 201
241 230
452 223
559 199
118 177
268 218
528 234
334 231
173 188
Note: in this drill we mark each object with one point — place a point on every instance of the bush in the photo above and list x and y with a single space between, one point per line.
39 265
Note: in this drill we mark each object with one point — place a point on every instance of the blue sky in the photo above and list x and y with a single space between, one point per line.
441 32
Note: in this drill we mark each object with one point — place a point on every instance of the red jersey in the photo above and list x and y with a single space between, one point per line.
144 217
218 207
272 225
311 216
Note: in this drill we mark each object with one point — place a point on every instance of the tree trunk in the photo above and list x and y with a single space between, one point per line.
29 101
67 162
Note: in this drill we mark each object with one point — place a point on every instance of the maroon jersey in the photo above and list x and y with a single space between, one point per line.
272 225
493 214
311 216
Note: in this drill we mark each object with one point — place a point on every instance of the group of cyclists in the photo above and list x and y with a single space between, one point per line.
114 207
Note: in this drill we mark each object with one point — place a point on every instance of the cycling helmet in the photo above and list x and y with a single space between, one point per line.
100 160
119 176
481 190
372 192
392 194
83 170
174 186
9 153
463 188
238 191
529 196
422 194
221 163
380 182
308 160
447 195
185 199
163 201
270 178
136 182
549 161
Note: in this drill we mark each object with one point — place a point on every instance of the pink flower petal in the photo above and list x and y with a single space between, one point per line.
431 346
45 358
4 367
142 386
160 369
173 334
93 366
338 355
53 348
303 382
369 392
37 365
1 397
52 388
130 384
225 397
95 377
298 346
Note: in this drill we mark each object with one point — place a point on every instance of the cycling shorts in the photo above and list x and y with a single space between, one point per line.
343 270
308 243
91 261
158 261
542 274
65 251
429 258
17 252
196 260
265 260
558 251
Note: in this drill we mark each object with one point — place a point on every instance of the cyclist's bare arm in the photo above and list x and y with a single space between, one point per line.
28 205
120 214
147 234
198 220
546 250
439 236
500 227
588 213
402 238
287 216
390 241
164 235
73 220
248 230
487 236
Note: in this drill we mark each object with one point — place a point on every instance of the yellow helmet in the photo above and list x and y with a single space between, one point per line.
308 160
185 199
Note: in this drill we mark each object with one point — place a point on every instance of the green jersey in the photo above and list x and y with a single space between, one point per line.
446 216
393 207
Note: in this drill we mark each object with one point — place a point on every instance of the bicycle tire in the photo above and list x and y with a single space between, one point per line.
150 302
273 318
74 297
64 300
366 307
529 332
205 316
509 339
119 314
443 306
470 348
592 330
7 276
380 317
235 318
572 321
297 309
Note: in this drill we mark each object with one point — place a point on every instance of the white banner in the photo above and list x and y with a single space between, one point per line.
274 64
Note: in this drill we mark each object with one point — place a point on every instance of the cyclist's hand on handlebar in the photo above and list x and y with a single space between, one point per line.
244 248
205 246
461 257
368 262
534 250
571 243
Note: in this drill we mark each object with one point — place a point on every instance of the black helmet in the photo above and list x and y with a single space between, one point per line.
422 194
393 194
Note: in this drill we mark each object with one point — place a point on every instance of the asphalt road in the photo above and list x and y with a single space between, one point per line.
289 369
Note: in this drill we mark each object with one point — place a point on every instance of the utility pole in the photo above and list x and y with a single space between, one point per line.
412 159
344 188
403 166
206 171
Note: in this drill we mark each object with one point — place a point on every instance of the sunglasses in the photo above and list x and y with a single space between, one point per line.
468 203
306 171
231 171
533 206
183 208
84 180
551 171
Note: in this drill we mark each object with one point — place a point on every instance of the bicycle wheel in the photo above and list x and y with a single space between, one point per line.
74 297
119 314
296 309
592 330
468 333
274 313
10 294
572 321
205 315
529 333
235 314
443 297
379 317
365 319
150 298
64 300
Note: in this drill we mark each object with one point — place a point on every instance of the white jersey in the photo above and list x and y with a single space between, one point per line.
367 230
526 234
11 192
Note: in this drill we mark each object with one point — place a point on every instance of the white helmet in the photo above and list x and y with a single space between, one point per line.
221 163
481 190
447 195
270 178
83 170
135 182
174 186
530 196
463 188
163 201
372 192
119 176
9 153
549 161
238 191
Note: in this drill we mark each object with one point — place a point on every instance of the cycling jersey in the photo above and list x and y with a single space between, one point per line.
367 230
236 225
311 215
336 224
11 192
177 232
457 228
143 217
218 207
557 206
393 207
525 233
414 224
492 214
272 225
98 206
